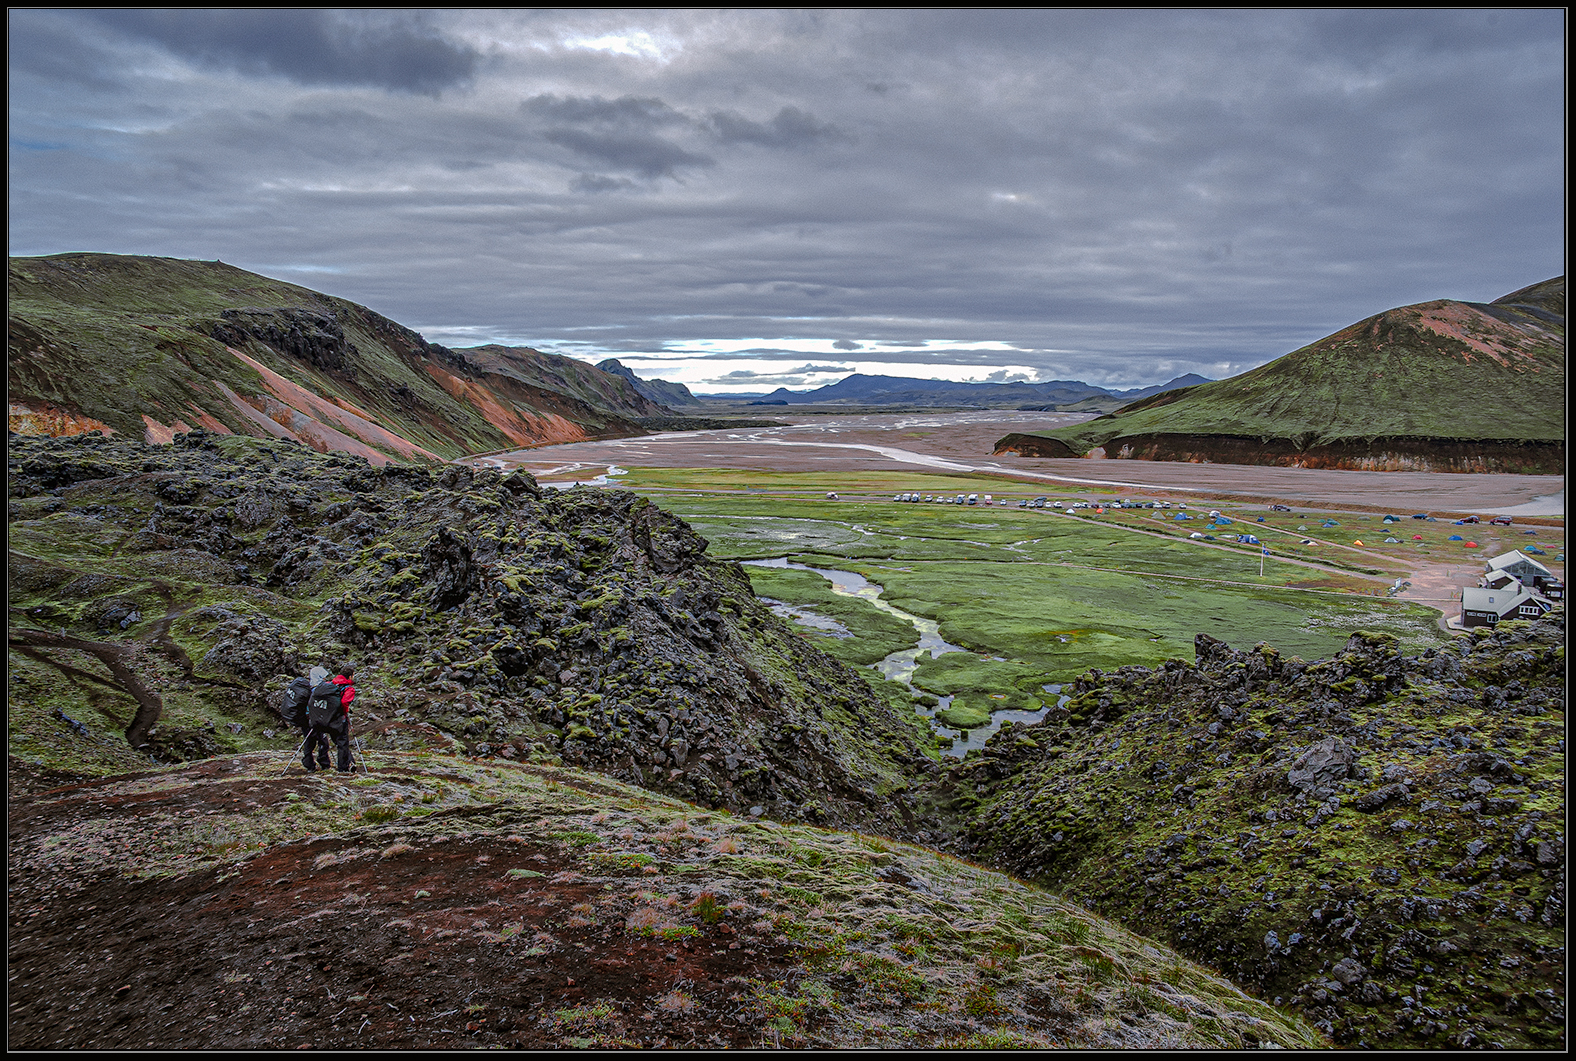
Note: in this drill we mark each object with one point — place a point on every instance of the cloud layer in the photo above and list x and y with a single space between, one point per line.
1120 197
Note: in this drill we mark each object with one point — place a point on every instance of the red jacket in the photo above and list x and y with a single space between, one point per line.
348 694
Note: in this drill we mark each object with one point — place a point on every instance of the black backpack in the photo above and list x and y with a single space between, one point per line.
327 709
293 709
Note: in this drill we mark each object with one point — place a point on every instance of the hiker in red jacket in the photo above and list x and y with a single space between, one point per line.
329 714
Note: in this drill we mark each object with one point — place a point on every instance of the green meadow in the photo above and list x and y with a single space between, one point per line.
1035 596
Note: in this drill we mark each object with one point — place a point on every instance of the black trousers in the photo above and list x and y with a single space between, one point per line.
317 737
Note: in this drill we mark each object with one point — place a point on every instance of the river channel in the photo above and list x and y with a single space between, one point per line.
899 666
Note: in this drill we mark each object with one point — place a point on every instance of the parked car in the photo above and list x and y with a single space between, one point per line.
1280 508
1500 521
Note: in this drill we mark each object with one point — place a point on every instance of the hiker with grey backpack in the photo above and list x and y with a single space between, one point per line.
297 698
328 716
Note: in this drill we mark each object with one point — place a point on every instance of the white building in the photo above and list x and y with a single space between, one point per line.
1486 606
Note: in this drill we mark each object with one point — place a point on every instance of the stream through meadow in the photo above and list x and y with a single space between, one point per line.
900 666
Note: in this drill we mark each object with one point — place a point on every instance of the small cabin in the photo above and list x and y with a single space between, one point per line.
1483 606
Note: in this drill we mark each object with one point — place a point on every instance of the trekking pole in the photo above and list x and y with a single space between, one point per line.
356 761
296 754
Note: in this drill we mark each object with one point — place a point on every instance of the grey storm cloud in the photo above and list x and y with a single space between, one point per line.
649 156
620 132
1119 196
791 127
309 46
626 110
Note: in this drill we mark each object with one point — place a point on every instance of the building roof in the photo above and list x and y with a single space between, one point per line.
1509 559
1498 601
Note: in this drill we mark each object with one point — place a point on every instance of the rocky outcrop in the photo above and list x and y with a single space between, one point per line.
1376 839
585 626
306 334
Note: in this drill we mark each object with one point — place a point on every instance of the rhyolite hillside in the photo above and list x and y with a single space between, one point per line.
149 347
1376 839
1439 386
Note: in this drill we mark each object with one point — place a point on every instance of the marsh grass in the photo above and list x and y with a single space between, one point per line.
1050 592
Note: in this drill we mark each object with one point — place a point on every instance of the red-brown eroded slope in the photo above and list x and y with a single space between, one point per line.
521 429
308 412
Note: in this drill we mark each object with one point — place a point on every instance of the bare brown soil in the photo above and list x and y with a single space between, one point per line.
296 950
967 440
1384 454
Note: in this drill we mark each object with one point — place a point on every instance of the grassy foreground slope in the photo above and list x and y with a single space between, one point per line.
441 903
149 347
1444 385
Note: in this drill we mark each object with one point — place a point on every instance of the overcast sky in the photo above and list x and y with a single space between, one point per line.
738 200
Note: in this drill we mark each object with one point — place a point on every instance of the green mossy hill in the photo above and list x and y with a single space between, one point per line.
483 614
1376 839
1444 384
195 907
113 339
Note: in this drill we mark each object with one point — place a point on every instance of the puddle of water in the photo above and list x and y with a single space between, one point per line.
806 617
899 666
600 480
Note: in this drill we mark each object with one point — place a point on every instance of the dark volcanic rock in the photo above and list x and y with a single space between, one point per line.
1373 838
586 626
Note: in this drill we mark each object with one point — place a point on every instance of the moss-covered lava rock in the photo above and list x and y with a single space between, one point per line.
1377 839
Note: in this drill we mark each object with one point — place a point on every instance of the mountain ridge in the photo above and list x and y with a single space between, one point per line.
660 391
1436 386
151 347
865 390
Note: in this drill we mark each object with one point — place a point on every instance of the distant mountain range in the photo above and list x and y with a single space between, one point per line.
672 395
863 390
153 347
1437 386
